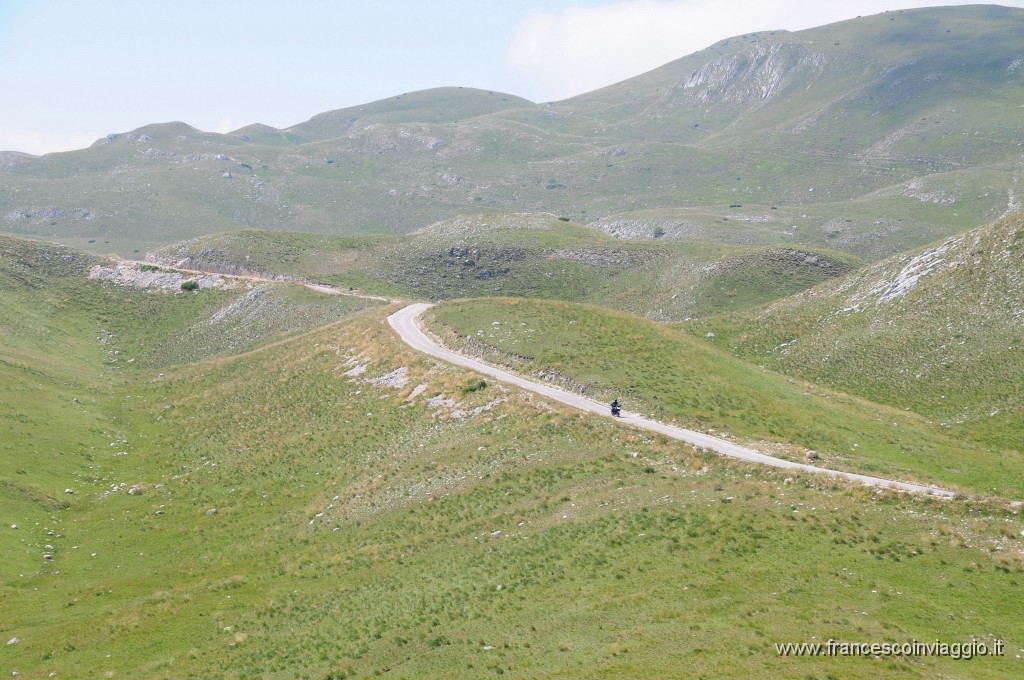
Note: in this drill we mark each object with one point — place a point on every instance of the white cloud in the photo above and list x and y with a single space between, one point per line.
39 143
585 48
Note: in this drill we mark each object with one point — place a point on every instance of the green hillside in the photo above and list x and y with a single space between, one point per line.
210 468
68 340
525 255
439 105
869 136
936 331
656 370
336 505
69 346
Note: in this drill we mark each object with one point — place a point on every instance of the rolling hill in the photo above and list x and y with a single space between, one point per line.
657 370
331 504
869 136
936 331
774 239
526 255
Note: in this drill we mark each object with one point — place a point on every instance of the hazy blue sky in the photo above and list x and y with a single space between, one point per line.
72 71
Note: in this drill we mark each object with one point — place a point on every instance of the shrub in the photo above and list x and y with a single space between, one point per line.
189 285
474 386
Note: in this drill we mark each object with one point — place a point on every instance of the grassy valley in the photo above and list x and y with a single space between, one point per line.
71 343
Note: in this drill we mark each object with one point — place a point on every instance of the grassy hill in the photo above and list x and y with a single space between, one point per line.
936 331
438 105
869 136
657 370
525 255
255 479
335 505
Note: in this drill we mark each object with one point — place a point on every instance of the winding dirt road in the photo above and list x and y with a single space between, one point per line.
404 323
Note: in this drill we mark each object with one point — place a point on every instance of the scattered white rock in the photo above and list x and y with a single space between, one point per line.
69 491
14 641
439 400
358 370
211 512
396 379
417 391
129 274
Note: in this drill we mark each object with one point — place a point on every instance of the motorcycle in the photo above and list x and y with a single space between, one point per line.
616 409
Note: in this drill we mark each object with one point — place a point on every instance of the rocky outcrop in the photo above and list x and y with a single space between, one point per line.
754 75
130 274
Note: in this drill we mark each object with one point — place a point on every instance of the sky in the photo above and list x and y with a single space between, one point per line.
72 71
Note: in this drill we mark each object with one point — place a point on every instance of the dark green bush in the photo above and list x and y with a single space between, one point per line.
474 386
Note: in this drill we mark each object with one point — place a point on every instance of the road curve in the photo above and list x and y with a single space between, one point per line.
404 323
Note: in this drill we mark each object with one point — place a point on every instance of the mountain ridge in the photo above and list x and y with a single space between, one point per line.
904 116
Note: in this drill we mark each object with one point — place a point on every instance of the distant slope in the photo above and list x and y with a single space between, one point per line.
938 331
529 255
854 122
868 136
438 105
